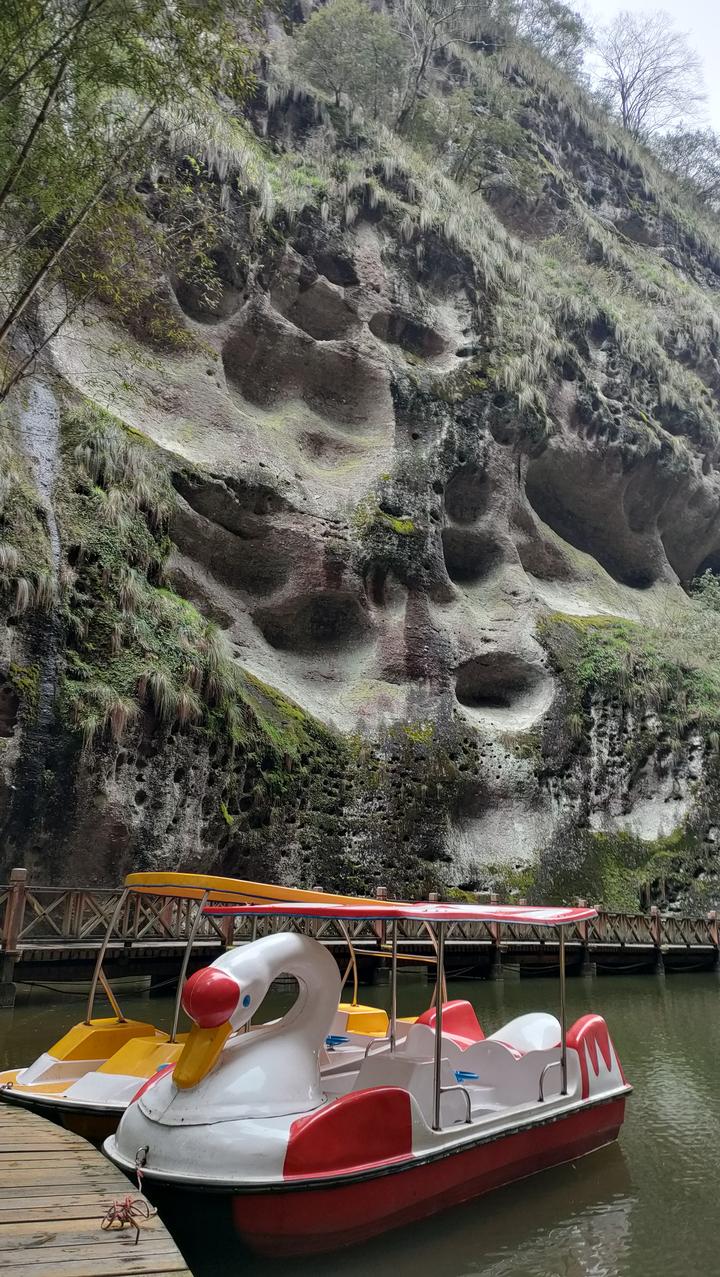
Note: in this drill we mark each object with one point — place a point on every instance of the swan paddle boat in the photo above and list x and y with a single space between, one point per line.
318 1144
87 1078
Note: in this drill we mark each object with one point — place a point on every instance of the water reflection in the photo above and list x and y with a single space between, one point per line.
570 1222
643 1208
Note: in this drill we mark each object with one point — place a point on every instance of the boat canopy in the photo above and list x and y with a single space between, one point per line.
231 891
423 911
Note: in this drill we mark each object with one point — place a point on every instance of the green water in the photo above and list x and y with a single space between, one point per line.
645 1208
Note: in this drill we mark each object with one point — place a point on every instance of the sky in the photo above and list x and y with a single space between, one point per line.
699 19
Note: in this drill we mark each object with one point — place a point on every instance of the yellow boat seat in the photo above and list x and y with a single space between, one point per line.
142 1057
372 1021
100 1039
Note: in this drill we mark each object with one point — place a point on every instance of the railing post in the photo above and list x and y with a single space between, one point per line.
586 966
380 931
712 922
12 927
227 926
657 936
496 969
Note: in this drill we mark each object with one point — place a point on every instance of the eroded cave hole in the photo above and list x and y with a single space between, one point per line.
325 448
466 494
338 269
271 363
314 622
504 687
469 556
228 295
402 330
543 560
585 512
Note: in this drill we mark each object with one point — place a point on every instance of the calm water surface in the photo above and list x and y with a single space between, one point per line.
645 1208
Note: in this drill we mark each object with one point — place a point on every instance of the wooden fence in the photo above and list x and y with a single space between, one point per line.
79 916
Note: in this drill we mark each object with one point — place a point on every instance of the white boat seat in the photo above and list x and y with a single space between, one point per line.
415 1075
536 1031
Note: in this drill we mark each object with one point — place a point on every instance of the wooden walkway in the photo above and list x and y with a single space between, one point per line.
54 1190
53 934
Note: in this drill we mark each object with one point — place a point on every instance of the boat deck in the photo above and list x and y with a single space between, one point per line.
54 1191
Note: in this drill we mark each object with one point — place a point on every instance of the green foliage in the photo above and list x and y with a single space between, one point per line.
607 869
557 31
80 83
24 680
403 527
346 48
693 155
130 641
420 733
369 516
26 579
133 645
706 589
670 670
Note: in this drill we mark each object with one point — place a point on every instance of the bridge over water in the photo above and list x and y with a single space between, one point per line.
52 934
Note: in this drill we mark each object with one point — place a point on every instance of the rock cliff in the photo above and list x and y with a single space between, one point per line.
377 566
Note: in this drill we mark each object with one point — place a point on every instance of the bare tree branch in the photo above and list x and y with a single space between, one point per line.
650 72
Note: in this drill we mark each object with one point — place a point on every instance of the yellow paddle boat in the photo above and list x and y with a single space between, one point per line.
87 1078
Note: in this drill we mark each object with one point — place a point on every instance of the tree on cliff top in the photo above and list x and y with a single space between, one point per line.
346 48
650 73
82 83
556 30
694 156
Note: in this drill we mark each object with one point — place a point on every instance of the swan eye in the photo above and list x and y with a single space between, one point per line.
246 1000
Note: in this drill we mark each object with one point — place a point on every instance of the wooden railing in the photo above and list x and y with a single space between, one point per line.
72 916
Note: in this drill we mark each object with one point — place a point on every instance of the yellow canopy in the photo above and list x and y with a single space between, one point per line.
230 891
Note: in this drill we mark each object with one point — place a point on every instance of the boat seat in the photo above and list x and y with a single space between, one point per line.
364 1020
459 1022
415 1075
536 1031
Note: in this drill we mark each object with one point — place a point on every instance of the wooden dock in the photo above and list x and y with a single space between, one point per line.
54 1191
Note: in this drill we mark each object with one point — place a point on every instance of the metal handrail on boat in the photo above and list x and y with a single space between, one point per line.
554 1064
445 1090
373 1042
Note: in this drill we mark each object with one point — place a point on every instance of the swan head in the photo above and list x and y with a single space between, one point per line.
218 1004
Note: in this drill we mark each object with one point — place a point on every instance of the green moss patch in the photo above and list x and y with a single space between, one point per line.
671 671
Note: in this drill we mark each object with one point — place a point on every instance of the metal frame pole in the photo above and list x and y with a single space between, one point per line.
183 969
102 951
563 1012
352 964
437 1069
393 985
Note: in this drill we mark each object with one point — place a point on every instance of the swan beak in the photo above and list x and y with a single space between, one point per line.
199 1054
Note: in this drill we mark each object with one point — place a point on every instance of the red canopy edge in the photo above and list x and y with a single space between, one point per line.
423 911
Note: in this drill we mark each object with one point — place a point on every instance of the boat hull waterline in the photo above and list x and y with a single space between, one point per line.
306 1218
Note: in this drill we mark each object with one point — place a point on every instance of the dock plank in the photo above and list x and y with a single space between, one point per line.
55 1189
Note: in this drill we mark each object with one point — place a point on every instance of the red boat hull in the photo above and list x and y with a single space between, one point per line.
306 1220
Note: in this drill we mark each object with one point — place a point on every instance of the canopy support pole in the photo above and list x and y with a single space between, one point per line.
102 951
352 964
121 1019
437 1070
186 959
563 1012
393 985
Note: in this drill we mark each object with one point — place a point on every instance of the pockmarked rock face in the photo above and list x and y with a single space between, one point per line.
444 521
